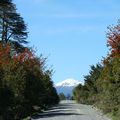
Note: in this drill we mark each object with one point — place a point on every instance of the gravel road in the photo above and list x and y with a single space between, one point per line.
69 110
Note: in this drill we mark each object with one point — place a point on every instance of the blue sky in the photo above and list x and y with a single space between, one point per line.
71 33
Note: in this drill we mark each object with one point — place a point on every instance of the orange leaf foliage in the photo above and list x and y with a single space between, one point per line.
114 40
6 55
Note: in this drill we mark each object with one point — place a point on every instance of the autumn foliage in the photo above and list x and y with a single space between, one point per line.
26 86
114 40
102 84
25 83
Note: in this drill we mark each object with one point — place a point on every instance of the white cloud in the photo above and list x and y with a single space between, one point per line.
68 29
63 15
97 15
31 2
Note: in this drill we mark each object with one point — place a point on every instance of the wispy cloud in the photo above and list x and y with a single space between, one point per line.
31 2
77 16
68 29
67 15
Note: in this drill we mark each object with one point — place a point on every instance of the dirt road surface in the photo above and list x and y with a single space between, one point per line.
69 110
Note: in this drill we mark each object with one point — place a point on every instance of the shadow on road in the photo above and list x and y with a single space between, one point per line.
60 110
53 114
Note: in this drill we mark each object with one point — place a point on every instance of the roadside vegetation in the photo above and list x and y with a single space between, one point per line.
102 84
62 96
26 86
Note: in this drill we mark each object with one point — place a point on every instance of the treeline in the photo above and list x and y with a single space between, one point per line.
25 82
102 84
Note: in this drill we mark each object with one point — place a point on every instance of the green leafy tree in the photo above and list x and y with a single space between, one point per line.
51 93
89 91
102 84
62 96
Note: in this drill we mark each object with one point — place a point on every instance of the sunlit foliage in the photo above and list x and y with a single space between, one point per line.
102 85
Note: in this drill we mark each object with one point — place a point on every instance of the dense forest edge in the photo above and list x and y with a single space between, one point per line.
102 85
26 85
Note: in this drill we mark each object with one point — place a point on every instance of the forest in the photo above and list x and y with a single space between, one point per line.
26 85
102 85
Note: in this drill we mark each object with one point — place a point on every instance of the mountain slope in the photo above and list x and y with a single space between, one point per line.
66 86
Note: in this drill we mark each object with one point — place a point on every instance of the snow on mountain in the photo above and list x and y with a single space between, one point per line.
68 83
66 86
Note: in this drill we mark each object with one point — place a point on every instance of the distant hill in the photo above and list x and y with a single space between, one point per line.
66 86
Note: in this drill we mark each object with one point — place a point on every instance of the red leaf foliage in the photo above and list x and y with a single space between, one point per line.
6 55
114 40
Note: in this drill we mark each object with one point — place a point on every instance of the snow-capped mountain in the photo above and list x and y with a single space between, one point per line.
68 82
67 86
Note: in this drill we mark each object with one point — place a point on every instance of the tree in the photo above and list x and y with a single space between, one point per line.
62 96
80 94
113 41
12 26
52 97
102 84
26 86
